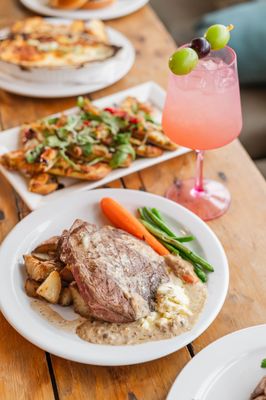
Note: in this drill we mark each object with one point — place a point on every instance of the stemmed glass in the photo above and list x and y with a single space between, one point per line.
203 111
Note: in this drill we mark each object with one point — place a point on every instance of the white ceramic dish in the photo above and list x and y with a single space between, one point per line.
96 72
72 82
119 9
9 140
228 369
51 220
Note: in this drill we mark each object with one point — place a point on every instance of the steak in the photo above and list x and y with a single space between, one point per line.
117 275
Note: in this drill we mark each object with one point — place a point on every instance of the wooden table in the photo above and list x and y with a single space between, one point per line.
27 372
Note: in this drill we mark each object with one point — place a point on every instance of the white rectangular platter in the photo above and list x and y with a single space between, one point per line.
9 140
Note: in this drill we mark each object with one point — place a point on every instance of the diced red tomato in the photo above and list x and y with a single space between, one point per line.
116 112
133 120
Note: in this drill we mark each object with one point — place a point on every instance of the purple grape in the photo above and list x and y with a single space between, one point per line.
201 46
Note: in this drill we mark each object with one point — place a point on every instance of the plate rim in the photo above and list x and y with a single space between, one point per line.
169 347
72 14
214 347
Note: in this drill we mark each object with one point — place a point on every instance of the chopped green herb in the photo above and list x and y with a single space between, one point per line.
263 363
89 116
127 148
67 159
33 154
121 155
63 133
135 108
113 122
148 118
54 141
80 102
118 159
87 149
95 160
84 137
123 138
52 121
72 121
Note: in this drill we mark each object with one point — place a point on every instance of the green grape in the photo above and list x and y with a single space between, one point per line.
183 61
218 36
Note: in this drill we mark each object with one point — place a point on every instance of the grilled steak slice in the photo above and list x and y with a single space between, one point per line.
63 249
117 274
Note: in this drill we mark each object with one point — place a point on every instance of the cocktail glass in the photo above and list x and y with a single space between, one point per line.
202 112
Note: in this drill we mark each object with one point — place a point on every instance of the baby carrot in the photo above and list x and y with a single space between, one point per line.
121 218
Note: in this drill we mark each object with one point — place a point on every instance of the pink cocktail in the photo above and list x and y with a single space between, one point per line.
203 111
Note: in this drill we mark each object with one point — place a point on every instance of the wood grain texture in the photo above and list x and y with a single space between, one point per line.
23 368
24 372
147 381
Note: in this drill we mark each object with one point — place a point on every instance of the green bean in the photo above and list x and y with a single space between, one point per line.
144 215
195 258
157 213
171 248
200 273
159 222
152 217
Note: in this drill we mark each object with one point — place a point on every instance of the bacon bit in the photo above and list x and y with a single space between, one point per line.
29 134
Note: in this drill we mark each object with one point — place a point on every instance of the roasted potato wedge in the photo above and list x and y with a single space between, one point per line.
80 306
31 287
49 245
65 298
50 289
39 270
66 274
43 256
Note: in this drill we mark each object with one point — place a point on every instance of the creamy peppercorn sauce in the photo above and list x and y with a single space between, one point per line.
178 307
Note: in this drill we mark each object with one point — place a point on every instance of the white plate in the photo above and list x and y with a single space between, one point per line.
94 73
9 140
51 220
119 9
111 71
228 369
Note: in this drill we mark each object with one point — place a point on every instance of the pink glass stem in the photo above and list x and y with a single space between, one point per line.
199 172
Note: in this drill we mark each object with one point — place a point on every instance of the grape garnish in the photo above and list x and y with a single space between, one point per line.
201 46
218 36
185 59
